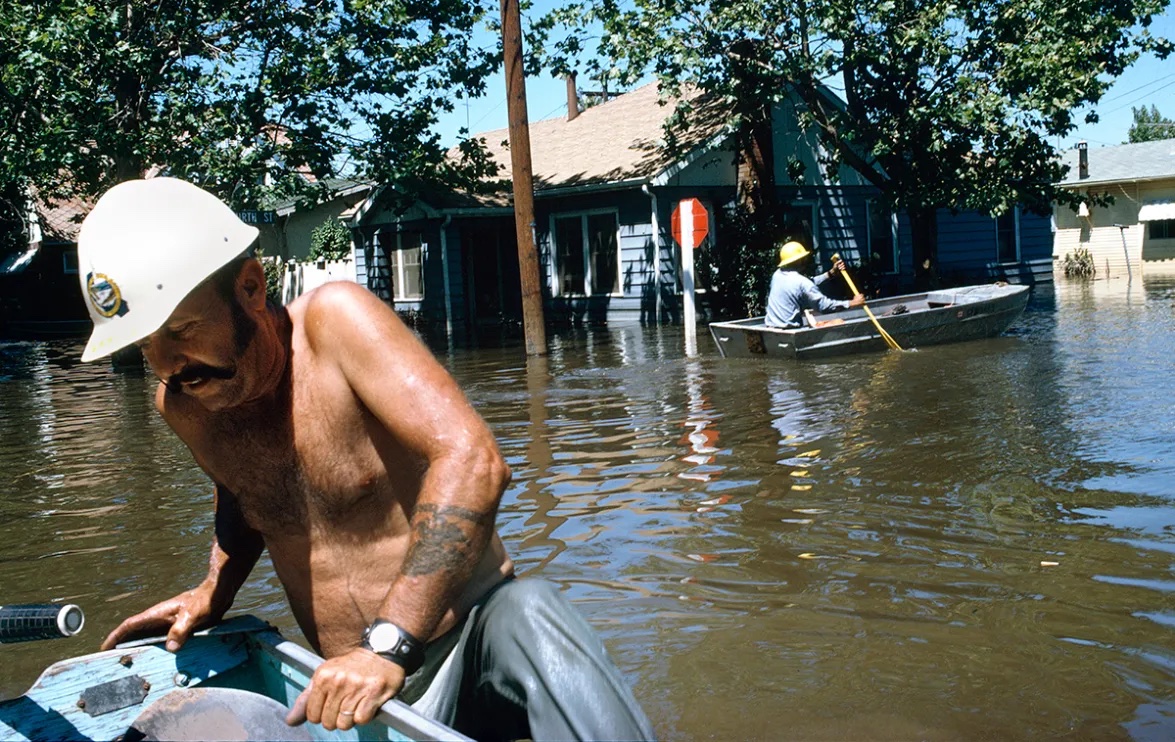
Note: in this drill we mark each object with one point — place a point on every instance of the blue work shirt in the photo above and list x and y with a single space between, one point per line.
791 293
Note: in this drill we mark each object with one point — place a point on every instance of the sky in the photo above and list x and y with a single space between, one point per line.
1148 82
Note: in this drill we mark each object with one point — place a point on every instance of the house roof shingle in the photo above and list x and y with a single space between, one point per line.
61 220
617 141
1123 163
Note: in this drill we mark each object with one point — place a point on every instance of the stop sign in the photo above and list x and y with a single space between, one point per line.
689 222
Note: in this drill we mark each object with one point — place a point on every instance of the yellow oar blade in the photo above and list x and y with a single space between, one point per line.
853 287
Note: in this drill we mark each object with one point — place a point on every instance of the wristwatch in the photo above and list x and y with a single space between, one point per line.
394 644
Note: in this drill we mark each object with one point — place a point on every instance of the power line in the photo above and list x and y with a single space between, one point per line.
1131 103
1135 90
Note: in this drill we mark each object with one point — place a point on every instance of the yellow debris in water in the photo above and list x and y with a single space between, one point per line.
809 454
1050 564
809 511
800 473
801 487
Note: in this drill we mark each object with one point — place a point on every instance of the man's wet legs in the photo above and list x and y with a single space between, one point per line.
534 668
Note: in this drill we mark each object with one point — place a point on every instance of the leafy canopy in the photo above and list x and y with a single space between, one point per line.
236 96
940 104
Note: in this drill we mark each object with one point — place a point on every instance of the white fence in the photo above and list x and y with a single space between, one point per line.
298 278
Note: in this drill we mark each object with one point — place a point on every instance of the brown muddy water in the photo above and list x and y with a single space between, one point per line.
967 542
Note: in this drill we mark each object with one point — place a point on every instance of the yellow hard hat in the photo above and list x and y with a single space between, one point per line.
145 245
791 252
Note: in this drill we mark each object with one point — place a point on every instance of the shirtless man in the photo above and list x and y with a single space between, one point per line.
337 442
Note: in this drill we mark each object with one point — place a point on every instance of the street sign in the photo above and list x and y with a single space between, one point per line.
689 225
690 220
255 216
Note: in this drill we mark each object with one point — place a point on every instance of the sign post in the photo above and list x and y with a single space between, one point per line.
690 224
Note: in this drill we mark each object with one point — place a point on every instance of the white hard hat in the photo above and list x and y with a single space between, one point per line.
143 248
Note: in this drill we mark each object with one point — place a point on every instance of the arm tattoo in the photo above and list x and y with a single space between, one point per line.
440 542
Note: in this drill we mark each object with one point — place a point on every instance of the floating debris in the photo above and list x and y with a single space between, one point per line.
809 511
1050 564
801 487
800 473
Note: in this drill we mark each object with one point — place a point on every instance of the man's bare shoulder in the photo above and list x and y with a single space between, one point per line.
338 314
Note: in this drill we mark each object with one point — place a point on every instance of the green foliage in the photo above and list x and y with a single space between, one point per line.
1150 125
275 271
740 272
235 96
945 104
330 241
1079 264
13 230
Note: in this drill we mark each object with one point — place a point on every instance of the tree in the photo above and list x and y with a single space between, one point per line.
945 104
1150 125
236 96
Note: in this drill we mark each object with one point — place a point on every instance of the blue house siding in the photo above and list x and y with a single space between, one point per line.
634 258
967 248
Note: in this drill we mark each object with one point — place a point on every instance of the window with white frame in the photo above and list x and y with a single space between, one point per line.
882 227
1007 236
405 266
587 259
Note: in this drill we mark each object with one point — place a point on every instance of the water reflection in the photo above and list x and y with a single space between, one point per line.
958 542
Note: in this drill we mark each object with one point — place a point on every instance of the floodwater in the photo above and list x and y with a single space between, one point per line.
973 541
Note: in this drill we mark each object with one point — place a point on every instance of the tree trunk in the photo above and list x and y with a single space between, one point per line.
756 165
924 235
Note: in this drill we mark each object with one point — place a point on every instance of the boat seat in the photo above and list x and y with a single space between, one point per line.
217 715
941 299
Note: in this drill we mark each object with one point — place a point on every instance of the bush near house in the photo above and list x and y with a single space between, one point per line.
1079 264
740 273
330 241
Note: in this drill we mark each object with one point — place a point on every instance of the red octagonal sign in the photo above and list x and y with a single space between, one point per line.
690 220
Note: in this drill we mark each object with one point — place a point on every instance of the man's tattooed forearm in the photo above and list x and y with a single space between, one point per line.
440 542
453 511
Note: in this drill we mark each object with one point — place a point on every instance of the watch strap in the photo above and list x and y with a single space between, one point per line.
407 651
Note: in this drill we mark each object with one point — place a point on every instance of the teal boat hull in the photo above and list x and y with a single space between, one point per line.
100 696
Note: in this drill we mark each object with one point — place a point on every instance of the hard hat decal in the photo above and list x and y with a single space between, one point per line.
105 296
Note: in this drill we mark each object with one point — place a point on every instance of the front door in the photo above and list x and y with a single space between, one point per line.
490 258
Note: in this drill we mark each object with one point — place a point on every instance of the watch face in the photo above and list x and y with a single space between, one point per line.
383 637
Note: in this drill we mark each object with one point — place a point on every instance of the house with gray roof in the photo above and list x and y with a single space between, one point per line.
1136 231
605 191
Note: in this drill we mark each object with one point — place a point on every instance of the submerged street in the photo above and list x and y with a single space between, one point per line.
966 541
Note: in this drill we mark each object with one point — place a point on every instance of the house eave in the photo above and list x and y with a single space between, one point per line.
1114 181
612 185
713 143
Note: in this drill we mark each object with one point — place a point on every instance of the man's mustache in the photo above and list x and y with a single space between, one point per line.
198 372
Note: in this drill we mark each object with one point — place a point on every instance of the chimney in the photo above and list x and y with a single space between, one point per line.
1082 160
572 97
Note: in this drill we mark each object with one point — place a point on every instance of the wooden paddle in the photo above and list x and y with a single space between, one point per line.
853 287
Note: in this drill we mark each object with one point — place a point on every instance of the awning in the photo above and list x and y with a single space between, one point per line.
1157 211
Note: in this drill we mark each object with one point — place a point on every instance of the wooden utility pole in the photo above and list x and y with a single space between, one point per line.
528 259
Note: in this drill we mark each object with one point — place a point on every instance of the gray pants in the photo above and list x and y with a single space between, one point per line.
525 664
